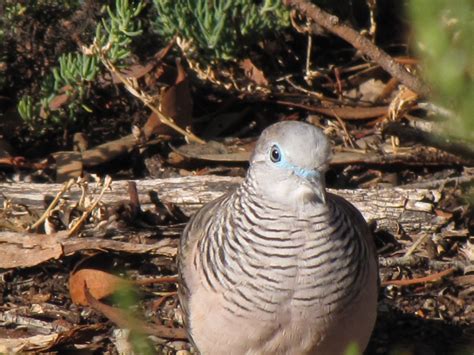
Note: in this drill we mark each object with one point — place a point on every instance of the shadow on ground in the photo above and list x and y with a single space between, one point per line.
398 333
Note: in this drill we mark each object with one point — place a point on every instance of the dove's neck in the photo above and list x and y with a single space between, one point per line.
288 196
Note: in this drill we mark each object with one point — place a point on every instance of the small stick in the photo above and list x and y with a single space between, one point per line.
53 204
159 280
420 280
415 245
85 214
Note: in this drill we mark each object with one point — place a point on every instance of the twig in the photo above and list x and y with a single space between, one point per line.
416 244
420 280
53 204
158 303
334 25
85 214
346 132
126 320
159 280
317 95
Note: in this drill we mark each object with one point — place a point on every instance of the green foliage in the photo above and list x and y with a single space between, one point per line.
119 29
352 349
127 300
73 75
76 72
13 10
74 69
220 29
444 31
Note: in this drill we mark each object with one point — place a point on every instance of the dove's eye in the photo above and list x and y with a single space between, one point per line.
275 154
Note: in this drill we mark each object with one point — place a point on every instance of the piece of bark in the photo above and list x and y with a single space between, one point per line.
30 249
25 250
108 151
342 112
411 210
416 155
68 165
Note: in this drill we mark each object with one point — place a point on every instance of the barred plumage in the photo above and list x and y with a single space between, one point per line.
264 273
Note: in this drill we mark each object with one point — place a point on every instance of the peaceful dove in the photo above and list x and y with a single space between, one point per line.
279 266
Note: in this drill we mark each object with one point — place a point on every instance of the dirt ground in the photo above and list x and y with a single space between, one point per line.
64 224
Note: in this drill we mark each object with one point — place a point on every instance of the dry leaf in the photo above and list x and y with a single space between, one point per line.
371 89
175 102
58 101
100 284
253 73
137 71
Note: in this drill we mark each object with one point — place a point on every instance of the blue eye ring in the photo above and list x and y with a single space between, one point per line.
275 154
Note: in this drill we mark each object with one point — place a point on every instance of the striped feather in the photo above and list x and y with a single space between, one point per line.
260 257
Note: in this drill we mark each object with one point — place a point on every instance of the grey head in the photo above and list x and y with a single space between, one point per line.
289 164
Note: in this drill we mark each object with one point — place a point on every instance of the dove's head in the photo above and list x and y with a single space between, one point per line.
289 163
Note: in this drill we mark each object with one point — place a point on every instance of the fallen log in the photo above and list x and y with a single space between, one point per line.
393 209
